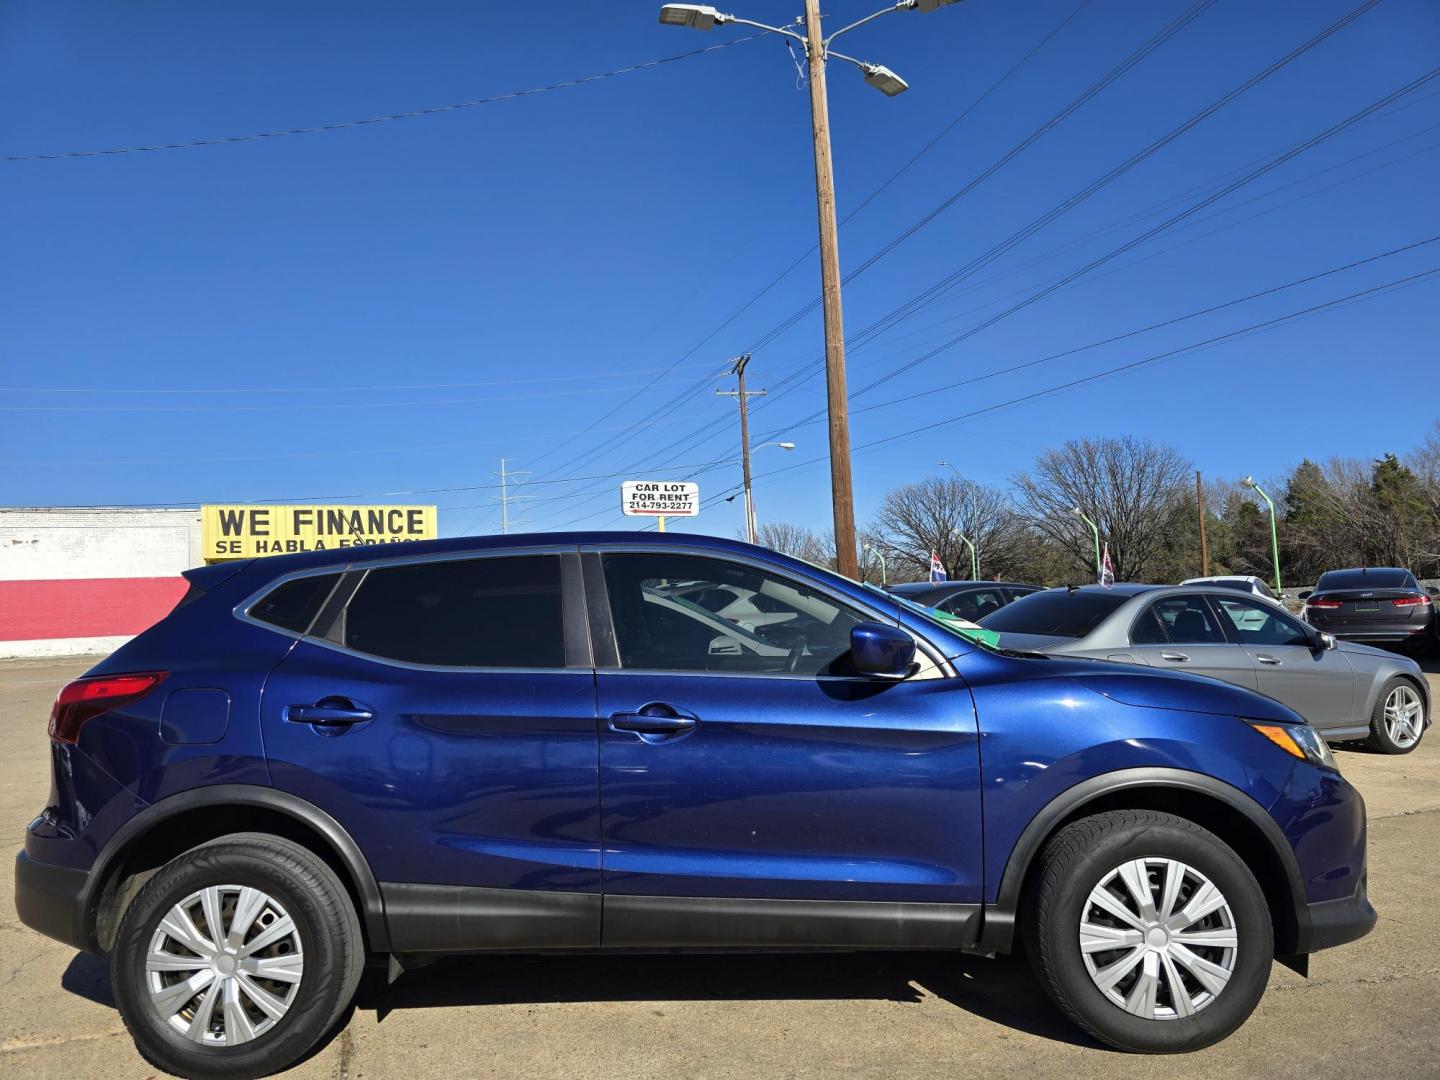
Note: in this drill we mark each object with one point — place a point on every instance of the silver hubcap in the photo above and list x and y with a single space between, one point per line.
1404 716
224 965
1158 938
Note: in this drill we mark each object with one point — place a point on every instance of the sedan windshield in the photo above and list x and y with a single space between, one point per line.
1055 612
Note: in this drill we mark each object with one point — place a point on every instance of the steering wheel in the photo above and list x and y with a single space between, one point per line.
797 650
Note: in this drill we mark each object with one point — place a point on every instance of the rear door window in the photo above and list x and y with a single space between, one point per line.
294 604
1189 620
499 612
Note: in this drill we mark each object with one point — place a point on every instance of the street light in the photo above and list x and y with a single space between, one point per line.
1099 570
817 52
974 556
1249 482
750 527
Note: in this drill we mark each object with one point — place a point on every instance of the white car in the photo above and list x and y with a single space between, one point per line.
1246 583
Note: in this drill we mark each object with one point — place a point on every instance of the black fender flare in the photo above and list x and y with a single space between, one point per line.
998 931
372 904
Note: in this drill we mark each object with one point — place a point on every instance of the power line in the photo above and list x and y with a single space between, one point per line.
1125 367
909 307
613 442
589 376
411 114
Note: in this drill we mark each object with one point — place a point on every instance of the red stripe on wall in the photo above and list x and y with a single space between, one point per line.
85 607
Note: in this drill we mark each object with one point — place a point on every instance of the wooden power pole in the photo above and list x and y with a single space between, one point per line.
841 491
1204 544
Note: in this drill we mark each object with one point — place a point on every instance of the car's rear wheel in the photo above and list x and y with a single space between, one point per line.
1148 931
236 958
1398 719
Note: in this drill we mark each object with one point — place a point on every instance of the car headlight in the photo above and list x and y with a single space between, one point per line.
1299 740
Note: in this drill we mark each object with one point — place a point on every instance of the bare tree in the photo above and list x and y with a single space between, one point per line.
926 517
1129 487
794 540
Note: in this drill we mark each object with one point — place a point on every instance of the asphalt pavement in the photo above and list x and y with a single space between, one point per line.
1370 1008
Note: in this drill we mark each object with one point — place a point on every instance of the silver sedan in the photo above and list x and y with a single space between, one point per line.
1345 690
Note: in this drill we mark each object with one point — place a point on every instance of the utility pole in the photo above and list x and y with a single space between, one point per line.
817 52
841 491
742 395
1204 544
505 497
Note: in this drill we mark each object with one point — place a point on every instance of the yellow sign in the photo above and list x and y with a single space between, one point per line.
245 531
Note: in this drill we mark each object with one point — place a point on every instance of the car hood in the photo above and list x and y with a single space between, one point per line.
1151 689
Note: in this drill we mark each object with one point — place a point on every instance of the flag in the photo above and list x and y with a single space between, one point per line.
1107 572
937 568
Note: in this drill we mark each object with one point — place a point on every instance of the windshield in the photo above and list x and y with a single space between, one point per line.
1054 613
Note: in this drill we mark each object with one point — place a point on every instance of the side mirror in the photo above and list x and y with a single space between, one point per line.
1432 590
1305 594
1324 642
886 652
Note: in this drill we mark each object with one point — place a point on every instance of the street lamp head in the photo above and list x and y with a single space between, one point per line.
1249 481
786 445
884 80
1076 511
695 16
931 5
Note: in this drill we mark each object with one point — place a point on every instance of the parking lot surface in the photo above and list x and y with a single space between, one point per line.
1368 1008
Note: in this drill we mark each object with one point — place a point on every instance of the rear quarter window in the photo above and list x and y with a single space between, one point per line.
293 605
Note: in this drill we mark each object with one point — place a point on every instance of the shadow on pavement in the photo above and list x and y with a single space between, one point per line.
1000 990
88 976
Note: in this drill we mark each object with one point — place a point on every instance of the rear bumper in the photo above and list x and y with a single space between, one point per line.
50 899
1380 632
1338 922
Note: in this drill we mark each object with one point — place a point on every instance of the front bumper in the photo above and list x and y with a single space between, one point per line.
1337 922
51 899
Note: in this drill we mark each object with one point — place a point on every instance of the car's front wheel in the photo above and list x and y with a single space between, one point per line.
1149 931
236 958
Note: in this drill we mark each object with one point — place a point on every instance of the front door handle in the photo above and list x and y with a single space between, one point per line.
1175 657
329 712
1265 658
654 722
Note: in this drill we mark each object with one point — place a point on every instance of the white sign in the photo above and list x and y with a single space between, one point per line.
659 498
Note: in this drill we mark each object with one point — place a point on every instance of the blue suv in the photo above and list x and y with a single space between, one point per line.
621 741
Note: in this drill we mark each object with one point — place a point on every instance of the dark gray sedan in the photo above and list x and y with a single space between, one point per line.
1346 690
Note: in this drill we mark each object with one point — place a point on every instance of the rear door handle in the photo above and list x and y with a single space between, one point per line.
1266 658
654 722
329 712
1175 657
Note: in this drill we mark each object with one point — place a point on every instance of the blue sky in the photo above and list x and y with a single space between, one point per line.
186 326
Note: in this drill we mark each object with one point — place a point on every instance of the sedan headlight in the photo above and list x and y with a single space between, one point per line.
1299 740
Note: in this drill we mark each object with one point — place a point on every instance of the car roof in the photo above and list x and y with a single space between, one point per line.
1220 577
276 565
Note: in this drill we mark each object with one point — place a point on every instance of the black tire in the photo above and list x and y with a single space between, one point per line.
1077 860
1380 739
330 944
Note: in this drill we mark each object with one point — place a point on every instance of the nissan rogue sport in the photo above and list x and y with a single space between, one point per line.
528 743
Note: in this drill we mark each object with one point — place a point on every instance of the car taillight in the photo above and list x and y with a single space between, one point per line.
85 699
1323 605
1411 601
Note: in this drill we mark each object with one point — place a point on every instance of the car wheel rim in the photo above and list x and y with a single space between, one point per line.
224 965
1404 716
1158 939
